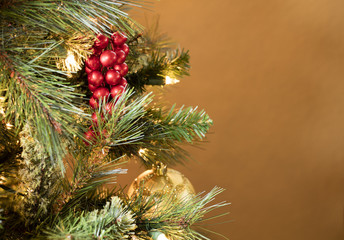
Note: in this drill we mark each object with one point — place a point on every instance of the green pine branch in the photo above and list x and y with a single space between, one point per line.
30 198
153 56
9 148
150 134
113 221
68 16
174 216
123 125
36 37
184 125
166 130
153 67
46 100
90 173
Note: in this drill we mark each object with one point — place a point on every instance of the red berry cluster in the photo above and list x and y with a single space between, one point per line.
106 69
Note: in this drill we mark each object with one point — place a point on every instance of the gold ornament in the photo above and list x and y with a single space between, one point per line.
161 180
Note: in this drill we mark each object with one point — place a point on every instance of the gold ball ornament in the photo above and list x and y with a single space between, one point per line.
161 180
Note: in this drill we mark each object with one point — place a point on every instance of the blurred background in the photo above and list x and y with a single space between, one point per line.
270 74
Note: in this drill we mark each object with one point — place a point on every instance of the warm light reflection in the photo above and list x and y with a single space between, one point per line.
162 237
2 110
9 126
71 64
169 80
156 235
142 151
2 180
94 20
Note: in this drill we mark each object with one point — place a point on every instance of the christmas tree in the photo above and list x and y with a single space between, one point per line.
75 107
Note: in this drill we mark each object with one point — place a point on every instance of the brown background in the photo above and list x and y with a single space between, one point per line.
270 74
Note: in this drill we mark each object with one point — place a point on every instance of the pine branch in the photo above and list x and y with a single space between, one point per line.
123 124
152 68
153 57
73 16
164 131
172 216
9 148
29 199
113 221
89 174
93 166
36 38
43 98
185 125
39 180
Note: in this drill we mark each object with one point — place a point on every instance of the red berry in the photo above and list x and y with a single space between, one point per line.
108 58
101 41
109 107
90 136
121 56
123 82
96 51
117 90
118 38
118 67
95 78
93 63
92 87
101 93
112 77
122 68
124 47
95 118
88 70
93 103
